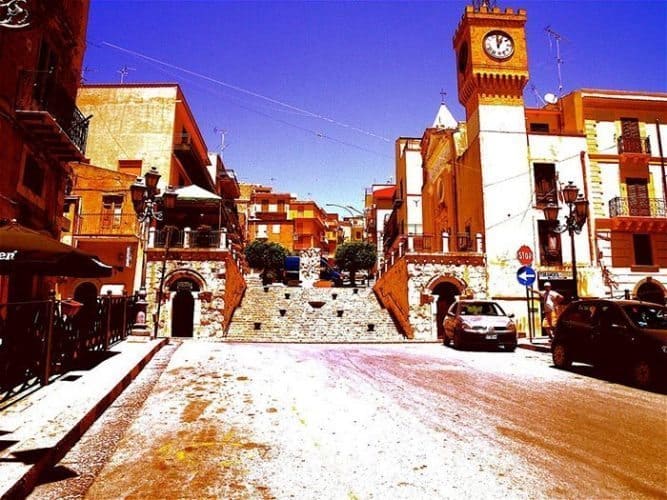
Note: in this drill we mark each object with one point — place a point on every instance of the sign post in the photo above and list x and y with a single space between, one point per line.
526 276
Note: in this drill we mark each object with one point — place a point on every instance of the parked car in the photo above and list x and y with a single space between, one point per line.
626 334
479 323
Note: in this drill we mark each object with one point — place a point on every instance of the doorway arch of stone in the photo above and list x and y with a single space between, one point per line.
446 289
183 287
650 290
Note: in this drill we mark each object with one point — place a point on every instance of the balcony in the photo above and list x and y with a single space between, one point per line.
637 207
640 145
194 164
424 248
229 185
270 217
48 113
638 214
634 153
105 224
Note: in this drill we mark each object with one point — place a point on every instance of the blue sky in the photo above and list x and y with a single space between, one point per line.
312 95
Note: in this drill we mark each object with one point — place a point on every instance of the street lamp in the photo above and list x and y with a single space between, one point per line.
353 211
149 207
574 221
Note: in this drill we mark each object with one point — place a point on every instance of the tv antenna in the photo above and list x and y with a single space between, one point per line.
85 70
537 94
124 71
222 133
559 62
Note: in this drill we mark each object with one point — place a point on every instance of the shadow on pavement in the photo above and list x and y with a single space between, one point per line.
611 376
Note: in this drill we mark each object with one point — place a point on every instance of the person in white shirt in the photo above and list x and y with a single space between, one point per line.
550 301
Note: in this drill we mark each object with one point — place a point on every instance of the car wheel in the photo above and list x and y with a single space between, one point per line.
642 373
561 356
511 348
458 342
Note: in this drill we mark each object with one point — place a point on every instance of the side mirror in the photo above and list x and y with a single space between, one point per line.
510 315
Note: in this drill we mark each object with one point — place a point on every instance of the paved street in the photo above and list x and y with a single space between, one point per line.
367 421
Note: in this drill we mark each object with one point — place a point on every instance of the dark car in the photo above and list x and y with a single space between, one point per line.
614 334
479 323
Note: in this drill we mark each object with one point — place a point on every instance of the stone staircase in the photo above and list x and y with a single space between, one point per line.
279 313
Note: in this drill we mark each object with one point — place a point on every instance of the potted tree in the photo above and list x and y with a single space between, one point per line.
355 256
267 256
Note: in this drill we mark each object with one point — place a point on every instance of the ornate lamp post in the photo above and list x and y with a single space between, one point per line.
574 221
149 207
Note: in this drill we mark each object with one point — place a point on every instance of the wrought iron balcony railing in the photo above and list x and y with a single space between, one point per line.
633 145
38 91
637 207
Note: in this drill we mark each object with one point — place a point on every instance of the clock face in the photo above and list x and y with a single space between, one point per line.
498 45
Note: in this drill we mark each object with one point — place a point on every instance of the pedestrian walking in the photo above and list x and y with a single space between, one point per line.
550 301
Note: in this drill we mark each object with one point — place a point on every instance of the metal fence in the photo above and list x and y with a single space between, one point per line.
43 339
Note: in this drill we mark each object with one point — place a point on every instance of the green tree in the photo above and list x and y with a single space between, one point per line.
267 256
355 256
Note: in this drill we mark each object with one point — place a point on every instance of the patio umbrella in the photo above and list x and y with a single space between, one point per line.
29 251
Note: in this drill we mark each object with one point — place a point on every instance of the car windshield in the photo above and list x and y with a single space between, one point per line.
481 309
648 316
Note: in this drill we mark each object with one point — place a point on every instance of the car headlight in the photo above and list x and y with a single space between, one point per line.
511 326
664 349
466 326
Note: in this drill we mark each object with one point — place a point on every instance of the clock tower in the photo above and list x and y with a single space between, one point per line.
495 180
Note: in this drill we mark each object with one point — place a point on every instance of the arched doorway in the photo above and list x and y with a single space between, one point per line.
446 292
650 291
183 307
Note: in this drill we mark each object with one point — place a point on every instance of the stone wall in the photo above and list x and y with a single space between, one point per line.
392 293
310 266
278 313
421 275
406 291
221 287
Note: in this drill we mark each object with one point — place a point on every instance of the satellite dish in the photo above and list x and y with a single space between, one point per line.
550 98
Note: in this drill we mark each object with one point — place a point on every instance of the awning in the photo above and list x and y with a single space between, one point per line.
28 251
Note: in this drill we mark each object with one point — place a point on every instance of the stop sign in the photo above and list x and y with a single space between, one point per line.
525 255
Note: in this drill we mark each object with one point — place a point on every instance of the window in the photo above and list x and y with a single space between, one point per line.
44 74
275 229
112 209
542 128
33 176
545 183
631 141
550 247
642 248
638 202
265 205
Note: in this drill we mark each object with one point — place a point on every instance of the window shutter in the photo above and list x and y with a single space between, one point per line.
621 249
660 246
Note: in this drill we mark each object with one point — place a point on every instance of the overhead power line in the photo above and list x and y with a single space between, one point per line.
305 112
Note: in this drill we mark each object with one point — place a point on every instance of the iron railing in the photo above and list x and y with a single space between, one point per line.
637 207
39 91
179 238
42 339
633 145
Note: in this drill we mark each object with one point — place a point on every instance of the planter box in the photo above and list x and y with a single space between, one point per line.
323 284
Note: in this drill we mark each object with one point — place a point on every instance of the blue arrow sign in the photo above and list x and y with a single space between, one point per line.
526 275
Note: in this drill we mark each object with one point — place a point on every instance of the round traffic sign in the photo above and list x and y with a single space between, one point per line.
525 255
526 275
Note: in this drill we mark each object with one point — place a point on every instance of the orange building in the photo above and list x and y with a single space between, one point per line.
269 217
310 230
187 258
42 130
103 222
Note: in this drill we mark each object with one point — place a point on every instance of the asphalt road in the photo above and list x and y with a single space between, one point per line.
209 420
